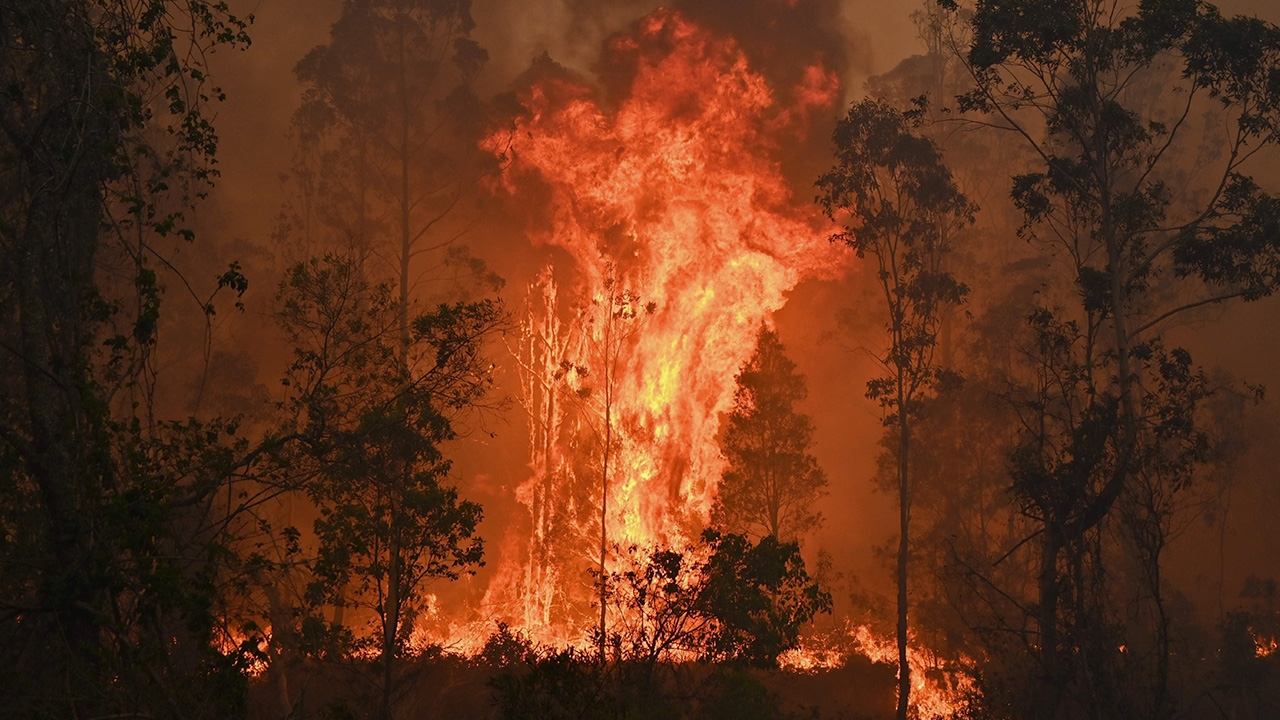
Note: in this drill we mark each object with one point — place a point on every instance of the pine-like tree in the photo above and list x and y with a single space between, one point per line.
771 481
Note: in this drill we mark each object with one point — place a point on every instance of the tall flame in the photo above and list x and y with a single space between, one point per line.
676 216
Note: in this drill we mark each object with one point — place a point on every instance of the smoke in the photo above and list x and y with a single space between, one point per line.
526 40
782 39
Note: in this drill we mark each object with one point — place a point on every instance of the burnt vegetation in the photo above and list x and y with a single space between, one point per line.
1039 210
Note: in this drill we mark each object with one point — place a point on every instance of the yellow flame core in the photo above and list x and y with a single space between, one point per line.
674 195
1265 646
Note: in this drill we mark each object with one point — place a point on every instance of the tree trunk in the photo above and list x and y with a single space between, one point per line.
1155 542
904 519
390 626
285 645
406 239
68 457
604 530
604 472
1047 619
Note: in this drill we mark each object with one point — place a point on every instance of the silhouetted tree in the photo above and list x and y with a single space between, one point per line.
372 427
759 594
114 552
771 481
388 155
899 204
1086 86
607 326
387 162
724 599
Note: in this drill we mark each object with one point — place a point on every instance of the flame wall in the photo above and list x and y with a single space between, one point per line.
673 194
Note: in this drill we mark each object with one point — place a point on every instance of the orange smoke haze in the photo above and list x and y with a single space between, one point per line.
680 170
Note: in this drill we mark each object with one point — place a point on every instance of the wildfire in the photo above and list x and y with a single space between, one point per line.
1264 646
231 641
684 238
672 199
938 689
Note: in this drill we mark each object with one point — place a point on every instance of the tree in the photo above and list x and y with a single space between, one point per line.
607 325
900 205
759 595
570 376
114 550
722 600
771 481
388 154
619 323
387 159
725 599
372 428
1106 97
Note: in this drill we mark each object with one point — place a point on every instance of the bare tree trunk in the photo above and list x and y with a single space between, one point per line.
1149 536
285 645
391 609
1095 676
904 521
604 530
1047 618
604 472
406 239
775 512
390 625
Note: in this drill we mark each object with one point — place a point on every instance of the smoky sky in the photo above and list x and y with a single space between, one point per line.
854 38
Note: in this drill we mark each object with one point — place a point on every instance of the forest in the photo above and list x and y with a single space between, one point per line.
616 360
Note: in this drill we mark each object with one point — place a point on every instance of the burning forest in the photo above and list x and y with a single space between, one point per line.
716 359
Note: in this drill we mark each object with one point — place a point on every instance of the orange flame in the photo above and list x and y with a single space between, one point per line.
1264 646
939 689
675 195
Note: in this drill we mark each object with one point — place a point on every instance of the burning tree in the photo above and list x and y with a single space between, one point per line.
572 376
675 192
901 207
612 323
771 481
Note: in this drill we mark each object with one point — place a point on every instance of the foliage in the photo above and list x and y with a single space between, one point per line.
119 549
371 430
564 684
506 648
771 480
725 600
1114 428
899 204
387 135
386 163
759 595
557 684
